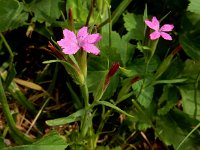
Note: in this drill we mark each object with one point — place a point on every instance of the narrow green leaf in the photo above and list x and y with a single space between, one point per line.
72 69
108 104
119 10
163 67
172 81
10 76
69 119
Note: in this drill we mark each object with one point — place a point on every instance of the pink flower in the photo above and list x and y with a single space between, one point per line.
72 43
155 25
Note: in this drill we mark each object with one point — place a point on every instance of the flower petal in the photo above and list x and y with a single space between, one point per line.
154 24
93 38
68 46
154 35
166 36
69 35
167 27
82 33
90 48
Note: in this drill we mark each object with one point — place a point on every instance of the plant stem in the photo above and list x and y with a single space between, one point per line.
85 95
90 12
8 47
198 125
15 133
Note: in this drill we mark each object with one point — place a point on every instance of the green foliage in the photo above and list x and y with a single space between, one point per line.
194 6
143 92
168 99
177 124
45 10
69 119
12 15
190 37
156 85
117 48
51 141
134 24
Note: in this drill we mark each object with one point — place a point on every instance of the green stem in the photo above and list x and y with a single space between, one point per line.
77 102
198 125
90 12
117 12
8 47
195 95
85 95
19 137
153 46
11 72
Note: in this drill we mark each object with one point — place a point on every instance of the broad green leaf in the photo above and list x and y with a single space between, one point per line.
189 39
143 94
134 24
38 147
194 6
139 65
12 15
168 99
2 144
119 47
52 141
174 127
69 119
52 138
94 78
45 10
191 70
190 90
143 116
191 101
190 43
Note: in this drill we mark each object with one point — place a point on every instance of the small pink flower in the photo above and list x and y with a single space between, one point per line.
72 43
155 25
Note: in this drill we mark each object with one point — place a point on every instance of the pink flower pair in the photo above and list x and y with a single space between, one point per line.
155 25
72 43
